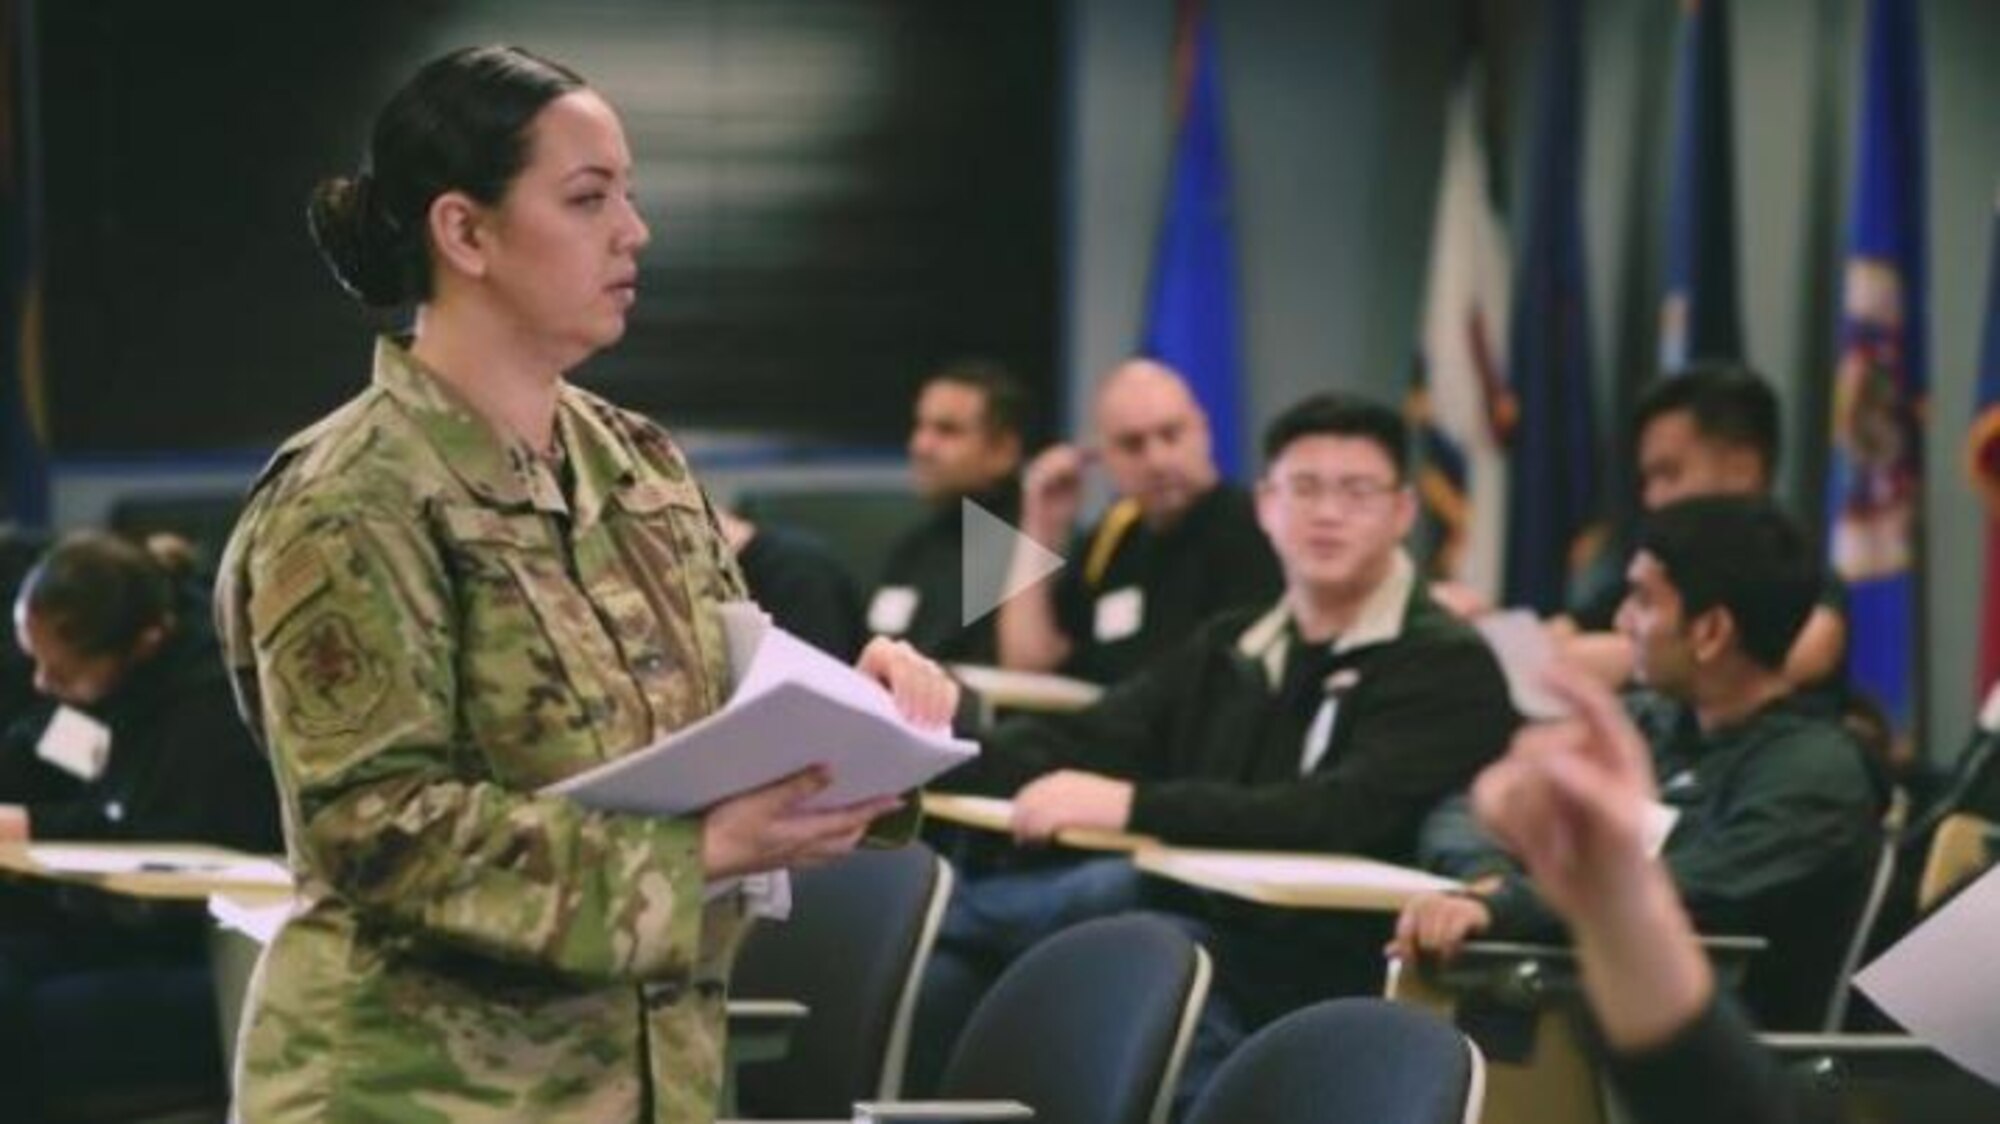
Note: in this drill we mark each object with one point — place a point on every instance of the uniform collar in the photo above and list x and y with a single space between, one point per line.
501 469
1267 641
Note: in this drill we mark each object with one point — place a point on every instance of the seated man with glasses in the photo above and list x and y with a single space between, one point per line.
1330 722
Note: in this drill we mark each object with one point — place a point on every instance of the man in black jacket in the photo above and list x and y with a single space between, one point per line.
1329 722
966 444
1569 800
1778 809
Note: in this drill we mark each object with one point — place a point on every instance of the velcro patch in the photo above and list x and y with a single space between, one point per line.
332 682
298 574
646 496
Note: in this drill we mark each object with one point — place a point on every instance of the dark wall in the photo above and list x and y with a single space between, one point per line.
842 194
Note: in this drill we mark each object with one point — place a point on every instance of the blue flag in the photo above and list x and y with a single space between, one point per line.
1700 317
1874 481
24 498
1552 478
1191 317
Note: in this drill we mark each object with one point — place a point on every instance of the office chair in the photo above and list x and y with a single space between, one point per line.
1090 1027
1349 1061
852 952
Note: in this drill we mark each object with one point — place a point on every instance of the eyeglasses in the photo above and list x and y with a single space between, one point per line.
1350 493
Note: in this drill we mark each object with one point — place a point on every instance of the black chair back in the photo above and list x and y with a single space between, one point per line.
1089 1027
852 951
1349 1061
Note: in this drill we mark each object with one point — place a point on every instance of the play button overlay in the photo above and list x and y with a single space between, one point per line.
987 572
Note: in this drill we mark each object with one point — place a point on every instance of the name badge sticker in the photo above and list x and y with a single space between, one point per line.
76 743
892 609
1120 614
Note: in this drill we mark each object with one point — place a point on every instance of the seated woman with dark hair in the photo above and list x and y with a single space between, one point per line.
134 737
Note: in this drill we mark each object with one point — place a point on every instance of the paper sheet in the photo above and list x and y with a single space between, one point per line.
1337 871
793 706
259 918
1520 641
1939 982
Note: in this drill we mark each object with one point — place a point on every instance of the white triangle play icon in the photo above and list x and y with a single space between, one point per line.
987 571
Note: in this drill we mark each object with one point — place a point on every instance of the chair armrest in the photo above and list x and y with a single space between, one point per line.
1527 975
939 1112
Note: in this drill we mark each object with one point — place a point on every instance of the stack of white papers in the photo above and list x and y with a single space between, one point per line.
792 707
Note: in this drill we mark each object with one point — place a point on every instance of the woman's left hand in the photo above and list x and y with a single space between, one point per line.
924 693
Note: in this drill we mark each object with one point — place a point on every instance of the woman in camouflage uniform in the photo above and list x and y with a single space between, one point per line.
470 581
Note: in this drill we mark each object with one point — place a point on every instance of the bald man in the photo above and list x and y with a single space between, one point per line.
1177 546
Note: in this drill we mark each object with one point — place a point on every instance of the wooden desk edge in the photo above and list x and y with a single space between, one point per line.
1159 860
950 807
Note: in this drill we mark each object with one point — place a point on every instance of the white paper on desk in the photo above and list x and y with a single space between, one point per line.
1520 642
85 858
793 706
1939 981
1307 871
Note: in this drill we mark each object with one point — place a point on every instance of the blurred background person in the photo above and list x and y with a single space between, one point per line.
135 737
1177 546
966 444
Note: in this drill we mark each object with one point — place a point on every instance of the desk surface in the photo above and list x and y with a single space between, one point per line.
181 871
1295 881
1027 690
988 813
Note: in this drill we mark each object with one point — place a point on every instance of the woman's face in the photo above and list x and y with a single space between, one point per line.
562 255
62 672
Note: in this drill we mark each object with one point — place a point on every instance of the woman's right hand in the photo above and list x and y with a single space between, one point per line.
766 829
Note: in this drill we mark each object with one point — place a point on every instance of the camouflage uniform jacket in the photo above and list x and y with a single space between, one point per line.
424 629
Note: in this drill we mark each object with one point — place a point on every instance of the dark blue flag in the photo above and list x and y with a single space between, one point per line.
1191 316
1700 317
1982 461
1875 492
1552 510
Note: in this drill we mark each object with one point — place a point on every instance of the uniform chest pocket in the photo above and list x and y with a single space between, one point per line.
541 687
665 527
671 547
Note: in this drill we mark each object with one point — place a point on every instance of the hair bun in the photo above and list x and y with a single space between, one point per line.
359 247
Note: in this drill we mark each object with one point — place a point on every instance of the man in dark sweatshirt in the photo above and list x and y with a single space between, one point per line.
1331 722
1778 809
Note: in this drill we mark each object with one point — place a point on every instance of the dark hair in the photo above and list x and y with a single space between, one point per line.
1339 415
1728 403
1744 554
459 124
1005 398
99 592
